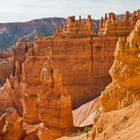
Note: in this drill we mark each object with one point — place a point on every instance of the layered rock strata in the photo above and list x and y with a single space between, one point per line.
120 100
6 67
82 57
110 25
8 58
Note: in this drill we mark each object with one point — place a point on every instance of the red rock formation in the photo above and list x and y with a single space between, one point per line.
16 86
76 52
76 28
5 54
48 101
6 97
19 51
112 26
30 131
31 86
8 59
10 94
12 128
30 109
54 104
125 72
6 67
124 91
51 133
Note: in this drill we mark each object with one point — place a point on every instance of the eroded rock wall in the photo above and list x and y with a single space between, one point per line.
110 25
125 72
6 97
84 59
6 66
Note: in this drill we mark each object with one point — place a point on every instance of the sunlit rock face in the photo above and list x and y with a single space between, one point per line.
82 57
54 105
121 123
110 25
45 100
125 72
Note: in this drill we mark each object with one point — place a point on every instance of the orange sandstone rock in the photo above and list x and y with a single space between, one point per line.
52 133
8 59
19 52
54 105
119 124
6 67
6 97
112 26
12 129
125 72
82 58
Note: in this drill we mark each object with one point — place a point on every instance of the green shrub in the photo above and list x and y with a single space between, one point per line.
87 129
78 133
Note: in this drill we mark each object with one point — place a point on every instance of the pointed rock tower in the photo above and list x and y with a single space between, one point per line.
54 104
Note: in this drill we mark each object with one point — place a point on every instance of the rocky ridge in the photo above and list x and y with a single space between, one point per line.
11 32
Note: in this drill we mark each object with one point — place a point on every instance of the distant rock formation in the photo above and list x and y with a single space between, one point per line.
11 32
110 25
6 64
8 58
